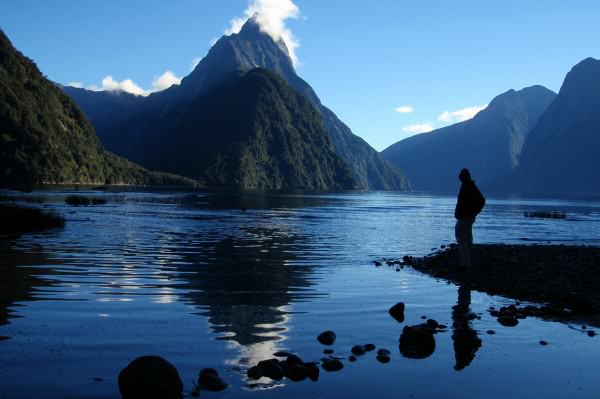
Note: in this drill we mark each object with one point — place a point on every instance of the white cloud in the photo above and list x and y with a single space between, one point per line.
127 85
164 81
195 63
461 114
79 85
405 109
418 128
271 16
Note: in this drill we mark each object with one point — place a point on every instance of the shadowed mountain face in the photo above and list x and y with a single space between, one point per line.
128 130
489 145
254 131
45 138
561 155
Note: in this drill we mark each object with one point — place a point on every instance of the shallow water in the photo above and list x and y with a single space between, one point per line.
224 280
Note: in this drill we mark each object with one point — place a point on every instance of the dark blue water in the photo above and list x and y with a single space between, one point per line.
225 280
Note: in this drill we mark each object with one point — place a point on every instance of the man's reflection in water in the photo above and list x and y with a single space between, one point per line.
465 339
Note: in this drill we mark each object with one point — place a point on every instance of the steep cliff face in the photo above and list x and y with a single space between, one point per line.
254 131
45 138
561 154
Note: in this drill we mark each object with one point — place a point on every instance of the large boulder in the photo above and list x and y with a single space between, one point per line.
150 377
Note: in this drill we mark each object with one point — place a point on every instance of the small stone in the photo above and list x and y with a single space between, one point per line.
352 358
383 358
369 347
327 337
313 371
383 352
377 263
328 351
98 379
294 359
591 333
508 321
254 373
209 380
296 372
417 342
397 312
271 368
358 350
491 332
423 317
332 365
432 323
543 343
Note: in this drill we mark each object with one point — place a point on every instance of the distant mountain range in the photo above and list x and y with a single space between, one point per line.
530 142
141 128
489 145
45 138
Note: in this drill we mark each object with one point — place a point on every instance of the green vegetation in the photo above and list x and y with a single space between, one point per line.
46 139
78 200
276 139
18 219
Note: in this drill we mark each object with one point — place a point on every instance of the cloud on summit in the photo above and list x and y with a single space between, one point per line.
271 16
162 82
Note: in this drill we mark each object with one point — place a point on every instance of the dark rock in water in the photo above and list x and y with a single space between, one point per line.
591 333
369 347
383 352
417 342
294 359
332 365
209 380
383 358
352 358
152 377
313 371
327 337
376 263
407 259
543 343
296 372
432 323
397 312
491 332
255 373
508 321
358 350
271 368
328 351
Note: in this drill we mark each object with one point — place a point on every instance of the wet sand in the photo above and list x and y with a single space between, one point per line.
565 277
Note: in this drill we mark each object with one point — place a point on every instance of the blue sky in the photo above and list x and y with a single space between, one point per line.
365 59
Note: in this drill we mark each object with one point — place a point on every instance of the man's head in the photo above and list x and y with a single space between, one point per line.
464 175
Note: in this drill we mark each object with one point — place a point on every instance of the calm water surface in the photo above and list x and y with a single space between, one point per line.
225 280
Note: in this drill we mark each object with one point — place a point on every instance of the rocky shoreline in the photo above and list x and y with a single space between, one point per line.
567 278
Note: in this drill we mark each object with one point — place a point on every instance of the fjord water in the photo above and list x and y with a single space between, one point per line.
224 280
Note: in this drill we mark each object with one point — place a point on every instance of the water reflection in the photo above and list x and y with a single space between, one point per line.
464 337
244 284
18 278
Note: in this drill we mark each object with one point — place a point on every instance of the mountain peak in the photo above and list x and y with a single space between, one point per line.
251 28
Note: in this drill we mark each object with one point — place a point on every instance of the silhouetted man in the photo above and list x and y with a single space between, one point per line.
470 203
